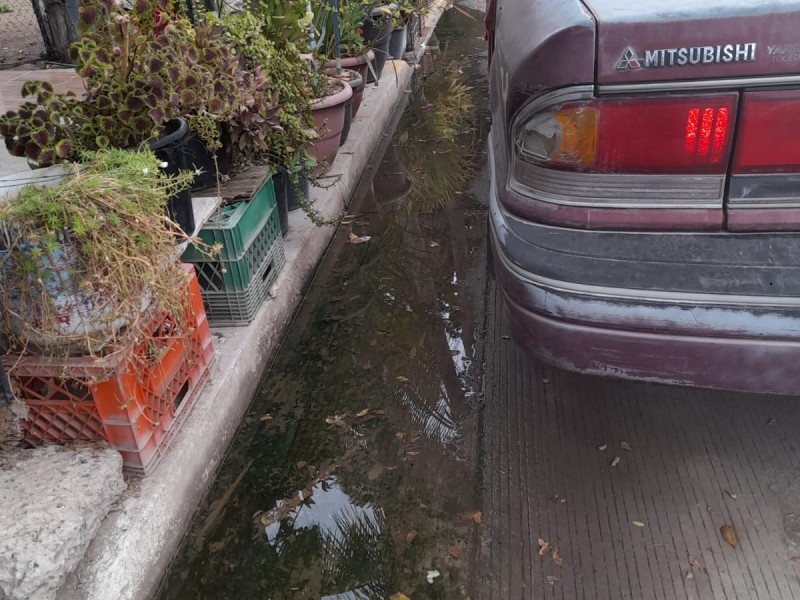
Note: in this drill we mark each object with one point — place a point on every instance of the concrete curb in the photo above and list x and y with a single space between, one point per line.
135 543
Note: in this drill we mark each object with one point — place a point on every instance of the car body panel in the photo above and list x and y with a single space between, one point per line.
771 26
704 293
528 58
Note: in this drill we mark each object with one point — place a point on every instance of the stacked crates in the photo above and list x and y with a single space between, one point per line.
236 282
135 399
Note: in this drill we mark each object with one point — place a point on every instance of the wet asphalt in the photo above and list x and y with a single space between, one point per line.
401 445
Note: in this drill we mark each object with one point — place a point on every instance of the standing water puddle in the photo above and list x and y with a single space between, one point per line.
354 474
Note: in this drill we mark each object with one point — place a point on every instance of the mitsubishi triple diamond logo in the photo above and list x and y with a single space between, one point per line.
629 61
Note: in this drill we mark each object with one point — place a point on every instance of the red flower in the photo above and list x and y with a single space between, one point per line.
160 21
359 31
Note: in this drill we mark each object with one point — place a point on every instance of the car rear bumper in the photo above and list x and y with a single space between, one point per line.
690 322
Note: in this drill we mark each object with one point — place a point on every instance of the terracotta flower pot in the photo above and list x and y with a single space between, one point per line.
355 82
328 114
360 65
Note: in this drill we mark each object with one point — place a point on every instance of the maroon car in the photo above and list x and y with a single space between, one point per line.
645 195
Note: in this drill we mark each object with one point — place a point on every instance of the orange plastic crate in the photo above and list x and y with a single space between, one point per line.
139 407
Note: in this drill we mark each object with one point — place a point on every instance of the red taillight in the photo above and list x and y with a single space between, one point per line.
706 137
769 133
669 135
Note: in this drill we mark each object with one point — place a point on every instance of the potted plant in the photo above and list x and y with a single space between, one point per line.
84 256
352 51
276 125
143 68
356 83
377 32
330 96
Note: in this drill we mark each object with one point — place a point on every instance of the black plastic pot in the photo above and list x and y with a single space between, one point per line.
413 33
280 180
294 190
170 148
377 34
199 157
397 42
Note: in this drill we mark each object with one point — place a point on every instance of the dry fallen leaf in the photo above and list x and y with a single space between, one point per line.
362 413
795 559
689 575
638 523
300 464
401 379
544 546
354 239
477 517
399 596
694 563
729 535
731 494
375 471
265 418
615 462
603 447
455 552
558 560
625 446
410 536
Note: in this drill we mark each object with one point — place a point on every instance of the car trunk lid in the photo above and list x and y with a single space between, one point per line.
646 40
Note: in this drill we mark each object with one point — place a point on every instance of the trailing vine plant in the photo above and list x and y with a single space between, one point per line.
91 258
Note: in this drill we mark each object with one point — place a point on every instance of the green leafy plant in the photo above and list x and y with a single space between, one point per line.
101 235
351 22
142 67
5 8
276 126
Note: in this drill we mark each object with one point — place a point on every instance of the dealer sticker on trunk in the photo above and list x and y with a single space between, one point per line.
631 60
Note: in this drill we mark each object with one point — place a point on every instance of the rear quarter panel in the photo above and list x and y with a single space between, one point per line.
540 45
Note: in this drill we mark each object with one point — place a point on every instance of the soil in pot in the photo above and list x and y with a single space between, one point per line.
397 42
360 64
170 148
377 33
353 79
328 114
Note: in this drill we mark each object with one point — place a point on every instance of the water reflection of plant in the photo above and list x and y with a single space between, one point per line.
441 163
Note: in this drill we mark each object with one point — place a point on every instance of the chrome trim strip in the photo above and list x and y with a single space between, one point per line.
602 190
694 85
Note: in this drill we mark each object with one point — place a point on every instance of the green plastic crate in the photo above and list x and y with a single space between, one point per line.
219 275
230 308
234 226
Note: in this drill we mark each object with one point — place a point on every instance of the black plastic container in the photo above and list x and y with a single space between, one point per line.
199 157
377 35
280 180
170 148
295 190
